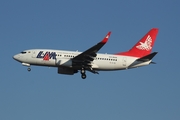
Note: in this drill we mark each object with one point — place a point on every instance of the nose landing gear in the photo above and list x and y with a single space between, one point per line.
29 69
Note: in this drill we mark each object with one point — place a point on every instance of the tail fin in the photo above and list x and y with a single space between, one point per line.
144 46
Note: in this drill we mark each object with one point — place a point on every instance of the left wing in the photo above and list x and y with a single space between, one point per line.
85 58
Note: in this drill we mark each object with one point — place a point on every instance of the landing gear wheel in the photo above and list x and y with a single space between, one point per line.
83 76
82 71
29 69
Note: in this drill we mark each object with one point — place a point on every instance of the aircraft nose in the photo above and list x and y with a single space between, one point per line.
16 57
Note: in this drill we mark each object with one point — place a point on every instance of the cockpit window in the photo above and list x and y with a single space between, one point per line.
23 52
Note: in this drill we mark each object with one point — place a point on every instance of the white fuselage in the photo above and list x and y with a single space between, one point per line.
61 58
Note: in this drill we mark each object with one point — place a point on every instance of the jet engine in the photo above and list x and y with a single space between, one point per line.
67 71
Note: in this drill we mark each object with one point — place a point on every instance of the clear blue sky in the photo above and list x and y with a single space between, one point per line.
147 93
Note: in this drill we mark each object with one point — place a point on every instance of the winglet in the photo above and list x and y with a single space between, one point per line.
106 38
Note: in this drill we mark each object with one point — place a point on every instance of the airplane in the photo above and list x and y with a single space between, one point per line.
71 62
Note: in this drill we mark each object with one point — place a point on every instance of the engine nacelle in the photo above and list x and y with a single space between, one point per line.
67 71
64 62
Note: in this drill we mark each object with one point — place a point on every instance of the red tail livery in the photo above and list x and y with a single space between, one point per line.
144 46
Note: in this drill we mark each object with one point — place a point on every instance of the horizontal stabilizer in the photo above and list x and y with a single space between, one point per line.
152 62
147 57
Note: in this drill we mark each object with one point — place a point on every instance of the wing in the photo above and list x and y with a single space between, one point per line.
85 58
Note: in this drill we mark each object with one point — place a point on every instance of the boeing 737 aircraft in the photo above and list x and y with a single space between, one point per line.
70 62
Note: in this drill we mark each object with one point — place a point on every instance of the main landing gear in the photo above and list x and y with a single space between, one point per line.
83 74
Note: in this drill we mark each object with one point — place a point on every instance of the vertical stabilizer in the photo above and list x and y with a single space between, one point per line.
144 46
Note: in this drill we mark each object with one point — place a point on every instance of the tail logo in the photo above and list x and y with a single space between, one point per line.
146 45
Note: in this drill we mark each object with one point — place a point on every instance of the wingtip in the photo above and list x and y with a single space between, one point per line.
106 38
